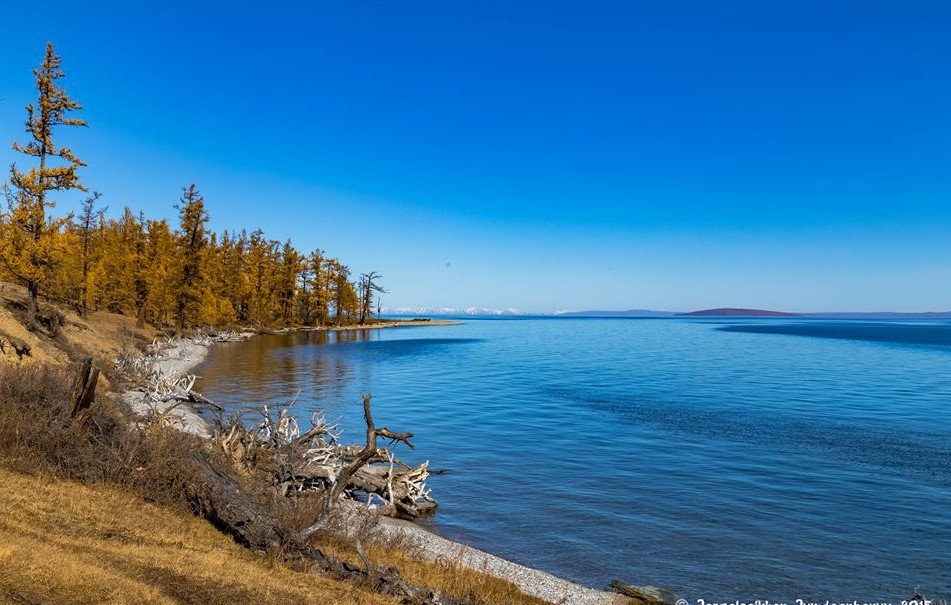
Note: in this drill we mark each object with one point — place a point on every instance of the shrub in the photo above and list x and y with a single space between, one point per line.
37 436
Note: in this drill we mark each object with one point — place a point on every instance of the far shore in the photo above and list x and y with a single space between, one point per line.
377 325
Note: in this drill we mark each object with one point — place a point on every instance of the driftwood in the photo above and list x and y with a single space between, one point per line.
221 499
297 462
368 453
161 388
316 460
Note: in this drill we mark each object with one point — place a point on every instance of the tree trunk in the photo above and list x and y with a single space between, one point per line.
221 500
33 304
84 389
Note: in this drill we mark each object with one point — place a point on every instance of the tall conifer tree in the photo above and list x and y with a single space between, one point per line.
192 238
29 245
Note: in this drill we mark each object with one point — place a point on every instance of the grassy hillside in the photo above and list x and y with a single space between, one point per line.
65 542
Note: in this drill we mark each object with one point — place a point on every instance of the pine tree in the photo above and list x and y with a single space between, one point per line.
28 247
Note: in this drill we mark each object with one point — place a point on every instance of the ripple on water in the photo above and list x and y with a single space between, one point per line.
747 459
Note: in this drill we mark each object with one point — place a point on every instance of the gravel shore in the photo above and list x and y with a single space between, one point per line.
174 361
532 582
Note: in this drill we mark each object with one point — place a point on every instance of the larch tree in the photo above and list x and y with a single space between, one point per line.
345 300
140 267
290 268
318 287
234 281
140 272
29 244
216 306
192 239
162 260
117 277
86 227
263 269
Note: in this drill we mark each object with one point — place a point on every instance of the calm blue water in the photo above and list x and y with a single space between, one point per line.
722 459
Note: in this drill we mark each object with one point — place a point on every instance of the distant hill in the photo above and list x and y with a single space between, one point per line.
880 315
649 313
629 313
731 312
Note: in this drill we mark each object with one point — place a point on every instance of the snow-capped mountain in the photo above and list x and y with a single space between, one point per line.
422 311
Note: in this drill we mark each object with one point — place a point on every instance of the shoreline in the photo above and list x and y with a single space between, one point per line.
379 325
174 362
436 548
179 357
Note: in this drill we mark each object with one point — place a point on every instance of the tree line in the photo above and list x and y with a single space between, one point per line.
179 276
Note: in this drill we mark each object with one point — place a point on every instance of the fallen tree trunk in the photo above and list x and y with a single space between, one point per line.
356 474
220 499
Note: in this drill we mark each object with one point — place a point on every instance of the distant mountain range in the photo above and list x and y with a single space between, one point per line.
880 315
424 311
630 313
721 312
647 313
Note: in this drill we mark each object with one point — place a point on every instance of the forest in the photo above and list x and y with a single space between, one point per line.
179 276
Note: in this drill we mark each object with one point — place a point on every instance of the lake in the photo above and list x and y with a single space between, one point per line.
722 459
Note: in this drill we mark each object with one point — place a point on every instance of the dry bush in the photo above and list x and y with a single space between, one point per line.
36 436
348 525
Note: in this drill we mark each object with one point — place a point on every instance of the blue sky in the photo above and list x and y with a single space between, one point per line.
550 155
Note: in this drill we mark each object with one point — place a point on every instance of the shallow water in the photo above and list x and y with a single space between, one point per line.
724 459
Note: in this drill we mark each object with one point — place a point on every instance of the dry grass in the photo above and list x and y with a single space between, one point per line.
101 541
65 542
450 577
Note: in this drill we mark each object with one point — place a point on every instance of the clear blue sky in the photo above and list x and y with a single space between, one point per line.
660 154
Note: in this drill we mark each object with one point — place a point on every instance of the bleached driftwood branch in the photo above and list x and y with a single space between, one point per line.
317 460
148 370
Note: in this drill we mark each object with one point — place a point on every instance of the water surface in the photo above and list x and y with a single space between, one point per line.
727 459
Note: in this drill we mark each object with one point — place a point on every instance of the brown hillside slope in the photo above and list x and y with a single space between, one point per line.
102 335
63 542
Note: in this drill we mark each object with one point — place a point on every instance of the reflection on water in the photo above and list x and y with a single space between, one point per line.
270 368
721 459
